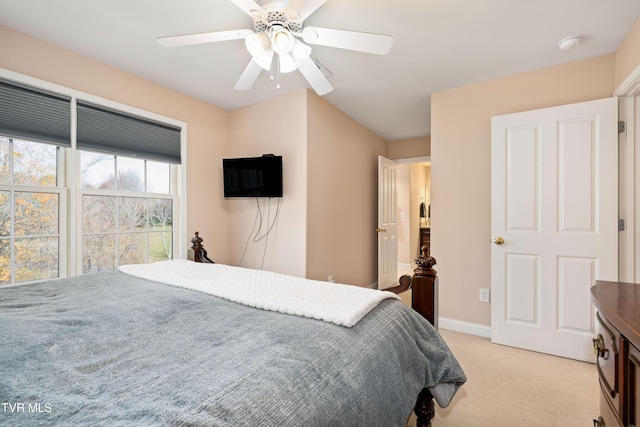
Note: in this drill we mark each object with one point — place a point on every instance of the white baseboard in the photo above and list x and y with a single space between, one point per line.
465 327
403 266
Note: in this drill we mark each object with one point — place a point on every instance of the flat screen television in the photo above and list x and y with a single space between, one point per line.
253 176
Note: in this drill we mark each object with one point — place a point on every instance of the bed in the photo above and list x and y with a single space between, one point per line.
131 347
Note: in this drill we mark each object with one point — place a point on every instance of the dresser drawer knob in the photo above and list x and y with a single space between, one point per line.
599 348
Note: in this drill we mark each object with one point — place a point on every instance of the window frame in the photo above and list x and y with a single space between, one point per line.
63 221
63 214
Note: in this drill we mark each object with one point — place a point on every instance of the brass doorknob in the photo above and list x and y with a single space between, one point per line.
499 241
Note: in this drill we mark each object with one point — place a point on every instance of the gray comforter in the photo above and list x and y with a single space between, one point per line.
110 349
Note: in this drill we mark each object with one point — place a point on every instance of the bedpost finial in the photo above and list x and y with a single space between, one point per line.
425 262
196 242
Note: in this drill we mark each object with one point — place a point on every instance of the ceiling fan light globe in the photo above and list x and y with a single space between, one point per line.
282 41
264 59
257 43
300 51
287 63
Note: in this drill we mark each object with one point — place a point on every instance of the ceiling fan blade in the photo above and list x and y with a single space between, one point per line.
248 6
314 76
189 39
248 76
305 7
378 44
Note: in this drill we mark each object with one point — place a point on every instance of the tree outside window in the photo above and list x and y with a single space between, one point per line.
29 211
124 219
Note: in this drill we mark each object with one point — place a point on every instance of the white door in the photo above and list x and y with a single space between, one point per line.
387 223
554 203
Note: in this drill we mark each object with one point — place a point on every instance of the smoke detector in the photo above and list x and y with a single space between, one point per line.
569 42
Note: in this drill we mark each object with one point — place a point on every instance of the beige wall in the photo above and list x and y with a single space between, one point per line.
206 124
328 212
342 195
460 172
256 130
628 54
410 148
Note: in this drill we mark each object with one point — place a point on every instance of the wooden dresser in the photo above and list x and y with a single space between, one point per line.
616 349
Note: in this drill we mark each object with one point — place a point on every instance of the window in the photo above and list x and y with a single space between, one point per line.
127 211
30 211
109 188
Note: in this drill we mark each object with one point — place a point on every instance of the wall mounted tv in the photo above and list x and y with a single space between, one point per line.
253 176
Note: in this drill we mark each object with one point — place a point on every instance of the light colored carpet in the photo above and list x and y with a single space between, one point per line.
512 387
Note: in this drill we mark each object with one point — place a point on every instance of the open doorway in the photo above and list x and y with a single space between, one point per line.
414 209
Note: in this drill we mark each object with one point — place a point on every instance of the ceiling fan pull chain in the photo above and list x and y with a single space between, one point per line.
278 74
272 67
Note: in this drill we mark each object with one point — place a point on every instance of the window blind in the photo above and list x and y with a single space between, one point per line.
110 131
34 114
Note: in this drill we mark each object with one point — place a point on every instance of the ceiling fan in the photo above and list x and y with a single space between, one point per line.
280 41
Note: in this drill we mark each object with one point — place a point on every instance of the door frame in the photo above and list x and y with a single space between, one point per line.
410 160
629 166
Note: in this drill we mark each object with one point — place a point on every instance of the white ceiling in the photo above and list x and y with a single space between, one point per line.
438 45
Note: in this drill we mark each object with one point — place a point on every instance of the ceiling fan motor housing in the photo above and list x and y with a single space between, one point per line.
289 20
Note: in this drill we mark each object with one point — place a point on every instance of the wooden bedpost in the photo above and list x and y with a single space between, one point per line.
424 300
425 409
198 253
424 287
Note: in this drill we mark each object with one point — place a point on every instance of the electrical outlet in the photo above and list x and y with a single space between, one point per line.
330 278
484 295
